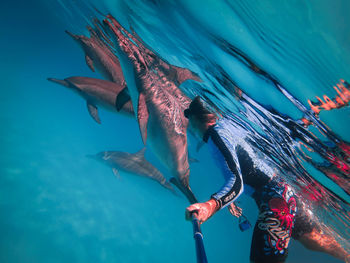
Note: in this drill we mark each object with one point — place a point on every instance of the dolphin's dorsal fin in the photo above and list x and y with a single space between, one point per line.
90 63
122 98
142 116
93 112
183 74
141 153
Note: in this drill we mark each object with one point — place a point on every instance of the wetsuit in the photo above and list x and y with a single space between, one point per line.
246 168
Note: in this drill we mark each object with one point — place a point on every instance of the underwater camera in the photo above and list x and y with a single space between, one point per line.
244 223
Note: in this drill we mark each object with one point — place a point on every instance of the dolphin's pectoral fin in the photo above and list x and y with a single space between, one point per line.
169 186
199 145
192 160
185 190
142 116
116 173
122 98
93 112
183 74
59 81
90 63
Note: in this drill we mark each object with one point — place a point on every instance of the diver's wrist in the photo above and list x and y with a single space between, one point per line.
214 206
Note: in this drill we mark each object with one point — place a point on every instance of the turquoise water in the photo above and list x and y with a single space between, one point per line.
59 206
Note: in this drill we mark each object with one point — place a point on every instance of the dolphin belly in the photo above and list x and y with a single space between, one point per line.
169 145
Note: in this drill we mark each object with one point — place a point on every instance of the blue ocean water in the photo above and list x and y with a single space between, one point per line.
59 206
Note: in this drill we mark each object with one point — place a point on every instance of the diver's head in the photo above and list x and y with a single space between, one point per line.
200 117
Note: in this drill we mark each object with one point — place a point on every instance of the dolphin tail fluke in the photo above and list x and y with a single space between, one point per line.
142 116
183 74
185 190
93 112
59 81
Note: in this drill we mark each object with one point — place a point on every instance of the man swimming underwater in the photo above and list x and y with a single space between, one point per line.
245 167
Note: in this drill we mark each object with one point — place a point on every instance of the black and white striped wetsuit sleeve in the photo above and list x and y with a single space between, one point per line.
233 185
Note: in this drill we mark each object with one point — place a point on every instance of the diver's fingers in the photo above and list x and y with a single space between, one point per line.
188 214
191 210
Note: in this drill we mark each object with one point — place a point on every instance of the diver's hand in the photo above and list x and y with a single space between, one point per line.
235 210
203 211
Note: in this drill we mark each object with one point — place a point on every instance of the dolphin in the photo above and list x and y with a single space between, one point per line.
157 100
132 163
98 55
97 92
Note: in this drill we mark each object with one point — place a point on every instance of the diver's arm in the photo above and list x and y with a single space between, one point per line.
230 191
233 185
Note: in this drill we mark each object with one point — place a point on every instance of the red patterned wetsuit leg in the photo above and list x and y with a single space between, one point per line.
273 229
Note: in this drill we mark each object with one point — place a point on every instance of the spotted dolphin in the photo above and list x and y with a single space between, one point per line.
97 92
153 85
132 163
